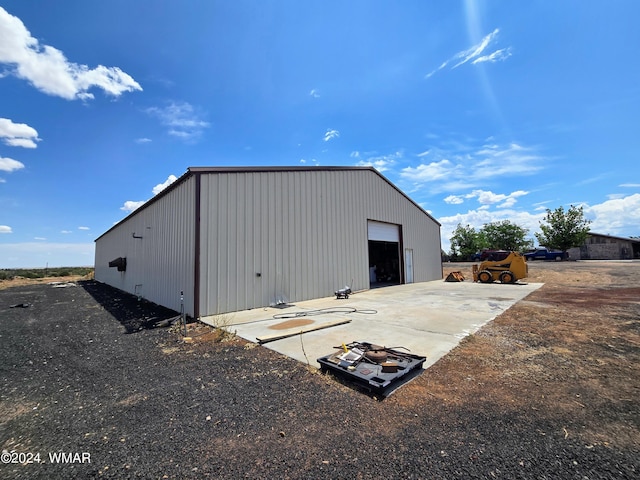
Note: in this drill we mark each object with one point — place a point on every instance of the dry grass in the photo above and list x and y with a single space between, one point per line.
568 352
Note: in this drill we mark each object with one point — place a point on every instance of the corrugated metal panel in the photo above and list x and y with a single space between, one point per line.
161 263
284 236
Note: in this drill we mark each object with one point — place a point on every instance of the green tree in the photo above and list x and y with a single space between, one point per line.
506 235
466 241
563 230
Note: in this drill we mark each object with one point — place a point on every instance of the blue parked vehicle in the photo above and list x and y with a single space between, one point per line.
546 254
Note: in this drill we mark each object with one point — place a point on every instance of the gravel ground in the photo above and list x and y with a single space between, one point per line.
548 390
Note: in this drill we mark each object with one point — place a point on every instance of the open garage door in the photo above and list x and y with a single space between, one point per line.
384 254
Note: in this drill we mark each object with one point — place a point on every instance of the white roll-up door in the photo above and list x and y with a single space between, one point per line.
383 232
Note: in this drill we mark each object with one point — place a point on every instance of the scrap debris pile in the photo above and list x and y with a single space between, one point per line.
376 368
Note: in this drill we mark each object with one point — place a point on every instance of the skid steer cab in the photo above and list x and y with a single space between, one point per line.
508 269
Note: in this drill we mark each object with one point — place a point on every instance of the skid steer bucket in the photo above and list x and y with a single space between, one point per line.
455 277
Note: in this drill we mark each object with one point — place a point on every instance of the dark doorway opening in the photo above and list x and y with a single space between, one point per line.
384 263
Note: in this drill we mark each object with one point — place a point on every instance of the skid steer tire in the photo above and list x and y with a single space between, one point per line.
507 277
485 276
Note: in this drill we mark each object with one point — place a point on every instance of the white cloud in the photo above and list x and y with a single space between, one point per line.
487 197
161 186
616 217
619 216
65 232
630 185
314 93
5 229
181 119
18 134
83 228
331 134
483 215
130 206
474 54
143 140
10 165
47 69
41 239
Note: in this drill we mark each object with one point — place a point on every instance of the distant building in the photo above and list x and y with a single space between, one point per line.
606 247
238 238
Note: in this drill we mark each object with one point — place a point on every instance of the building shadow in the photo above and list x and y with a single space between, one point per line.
132 313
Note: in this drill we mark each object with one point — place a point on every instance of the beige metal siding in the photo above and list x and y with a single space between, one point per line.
161 263
304 232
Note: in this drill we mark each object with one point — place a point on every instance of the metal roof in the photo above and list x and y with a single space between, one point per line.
626 239
199 170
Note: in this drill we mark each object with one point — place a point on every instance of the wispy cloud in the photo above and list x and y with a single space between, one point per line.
331 134
496 56
181 119
470 167
314 93
381 163
143 140
48 70
18 134
84 228
433 171
454 200
313 161
5 229
475 54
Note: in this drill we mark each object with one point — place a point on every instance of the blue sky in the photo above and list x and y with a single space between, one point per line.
479 111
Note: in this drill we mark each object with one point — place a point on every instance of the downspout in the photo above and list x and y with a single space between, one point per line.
196 265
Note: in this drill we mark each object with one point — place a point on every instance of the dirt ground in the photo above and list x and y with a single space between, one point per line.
21 281
549 389
571 349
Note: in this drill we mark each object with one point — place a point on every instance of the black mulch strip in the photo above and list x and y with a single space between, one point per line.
84 371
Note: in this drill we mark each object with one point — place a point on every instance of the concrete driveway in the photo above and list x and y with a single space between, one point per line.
428 318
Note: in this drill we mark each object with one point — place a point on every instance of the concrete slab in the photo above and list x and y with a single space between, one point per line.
427 318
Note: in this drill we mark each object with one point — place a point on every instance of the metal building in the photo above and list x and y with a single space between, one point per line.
235 238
